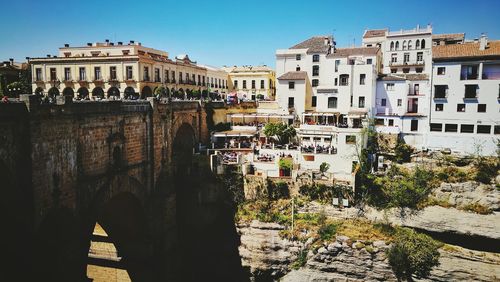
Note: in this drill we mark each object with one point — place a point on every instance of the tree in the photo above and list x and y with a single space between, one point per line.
403 151
160 91
413 253
323 167
280 131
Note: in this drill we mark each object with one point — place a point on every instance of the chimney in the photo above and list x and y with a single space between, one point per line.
89 44
66 45
132 41
326 41
107 40
120 43
48 55
483 42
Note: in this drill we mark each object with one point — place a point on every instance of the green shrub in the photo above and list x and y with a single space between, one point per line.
403 152
301 259
486 170
327 231
413 253
477 208
277 190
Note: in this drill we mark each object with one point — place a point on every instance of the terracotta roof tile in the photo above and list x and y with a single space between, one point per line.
455 36
315 44
346 52
294 75
374 33
466 50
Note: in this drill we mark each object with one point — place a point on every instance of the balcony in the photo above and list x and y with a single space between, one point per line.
406 64
146 79
130 79
471 92
67 79
112 79
98 79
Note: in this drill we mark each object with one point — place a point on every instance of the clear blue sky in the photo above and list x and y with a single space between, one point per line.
225 32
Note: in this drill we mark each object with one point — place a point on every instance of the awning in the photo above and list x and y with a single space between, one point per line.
322 114
235 133
261 116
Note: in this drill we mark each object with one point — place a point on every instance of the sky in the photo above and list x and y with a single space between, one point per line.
226 32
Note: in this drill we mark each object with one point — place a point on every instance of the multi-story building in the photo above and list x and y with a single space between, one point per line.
103 70
403 89
11 71
217 80
464 112
252 82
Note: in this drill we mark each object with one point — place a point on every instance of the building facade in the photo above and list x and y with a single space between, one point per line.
252 82
104 70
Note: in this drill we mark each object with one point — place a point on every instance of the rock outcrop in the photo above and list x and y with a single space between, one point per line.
463 194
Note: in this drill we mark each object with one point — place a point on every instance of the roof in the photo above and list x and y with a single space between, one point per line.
403 77
374 33
315 44
346 52
294 75
466 50
262 68
453 36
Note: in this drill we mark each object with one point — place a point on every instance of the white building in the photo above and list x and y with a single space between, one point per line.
403 90
465 112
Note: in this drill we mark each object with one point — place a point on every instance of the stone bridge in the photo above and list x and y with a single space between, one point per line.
66 166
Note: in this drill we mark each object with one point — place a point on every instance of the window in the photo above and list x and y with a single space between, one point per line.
291 102
313 102
484 129
82 74
389 86
467 128
394 58
332 102
414 125
180 77
392 45
420 56
315 70
391 122
298 57
315 58
291 85
404 45
450 127
350 139
394 70
337 82
469 72
419 70
461 108
344 79
297 68
417 44
422 44
53 74
379 121
439 107
471 91
157 75
67 74
97 73
437 127
497 129
481 108
406 57
244 84
315 82
173 77
383 102
400 102
146 74
362 78
441 71
406 70
361 102
337 63
199 79
409 45
397 45
253 84
368 61
440 91
112 73
236 84
38 74
262 84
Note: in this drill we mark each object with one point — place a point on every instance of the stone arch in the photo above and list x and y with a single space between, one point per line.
68 91
53 92
422 44
98 92
39 91
113 91
183 146
146 92
83 93
129 93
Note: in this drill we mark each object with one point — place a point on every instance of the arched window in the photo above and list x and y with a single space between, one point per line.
146 92
98 92
409 45
39 91
332 102
417 44
53 92
129 93
404 44
392 45
83 93
397 45
68 91
422 45
113 91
